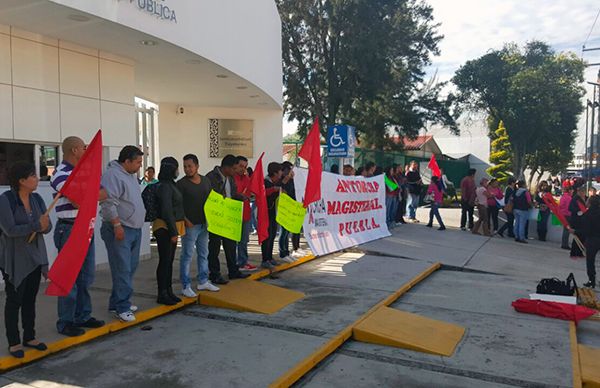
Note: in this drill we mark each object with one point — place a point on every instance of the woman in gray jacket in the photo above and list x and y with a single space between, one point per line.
22 263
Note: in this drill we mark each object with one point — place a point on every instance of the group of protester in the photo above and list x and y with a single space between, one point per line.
124 201
578 205
404 191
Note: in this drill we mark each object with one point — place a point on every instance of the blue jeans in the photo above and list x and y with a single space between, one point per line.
391 208
76 307
242 246
123 258
521 217
435 212
253 221
196 236
284 243
412 203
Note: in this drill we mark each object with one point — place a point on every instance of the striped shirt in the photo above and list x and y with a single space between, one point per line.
64 207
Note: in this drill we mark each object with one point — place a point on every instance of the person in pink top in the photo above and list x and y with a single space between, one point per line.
438 197
492 202
563 206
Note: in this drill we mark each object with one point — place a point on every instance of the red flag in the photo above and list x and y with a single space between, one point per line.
433 166
82 187
311 152
553 206
257 187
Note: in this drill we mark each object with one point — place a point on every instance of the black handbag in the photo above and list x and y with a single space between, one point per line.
555 286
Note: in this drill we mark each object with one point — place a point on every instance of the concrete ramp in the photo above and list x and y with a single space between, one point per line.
391 327
251 296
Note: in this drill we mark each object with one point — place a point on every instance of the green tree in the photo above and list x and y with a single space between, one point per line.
500 155
534 91
361 62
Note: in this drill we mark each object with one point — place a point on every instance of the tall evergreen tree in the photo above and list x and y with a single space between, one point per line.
500 155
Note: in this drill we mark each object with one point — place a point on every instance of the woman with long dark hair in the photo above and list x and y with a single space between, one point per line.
22 212
167 228
577 208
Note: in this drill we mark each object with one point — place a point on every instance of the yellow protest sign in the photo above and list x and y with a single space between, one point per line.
290 213
224 216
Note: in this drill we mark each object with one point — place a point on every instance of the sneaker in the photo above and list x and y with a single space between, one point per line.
274 262
429 226
442 228
287 259
208 286
248 267
188 292
297 255
127 316
415 221
267 264
463 228
133 308
220 280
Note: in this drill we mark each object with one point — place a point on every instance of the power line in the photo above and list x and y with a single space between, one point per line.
591 29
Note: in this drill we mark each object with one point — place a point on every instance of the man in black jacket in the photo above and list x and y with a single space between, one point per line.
591 228
221 179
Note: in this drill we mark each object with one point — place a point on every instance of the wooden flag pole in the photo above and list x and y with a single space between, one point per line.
52 205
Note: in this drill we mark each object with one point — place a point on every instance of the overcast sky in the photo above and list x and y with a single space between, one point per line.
472 27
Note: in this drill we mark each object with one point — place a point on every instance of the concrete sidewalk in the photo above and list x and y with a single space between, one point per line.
207 346
145 290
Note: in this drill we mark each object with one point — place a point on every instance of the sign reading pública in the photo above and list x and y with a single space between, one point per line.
157 8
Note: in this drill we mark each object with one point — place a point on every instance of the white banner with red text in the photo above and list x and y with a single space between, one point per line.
351 211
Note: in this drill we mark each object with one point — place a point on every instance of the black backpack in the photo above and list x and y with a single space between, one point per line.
554 286
151 202
520 201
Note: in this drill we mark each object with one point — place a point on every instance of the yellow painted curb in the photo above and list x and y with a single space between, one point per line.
281 267
9 362
575 361
590 366
304 366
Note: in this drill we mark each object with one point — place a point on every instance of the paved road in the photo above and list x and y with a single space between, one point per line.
202 346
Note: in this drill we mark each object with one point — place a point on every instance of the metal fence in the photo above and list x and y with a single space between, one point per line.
455 170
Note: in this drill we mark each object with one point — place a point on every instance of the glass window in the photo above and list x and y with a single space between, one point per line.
48 159
11 153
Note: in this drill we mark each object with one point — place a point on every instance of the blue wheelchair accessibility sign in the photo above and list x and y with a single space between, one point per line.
340 141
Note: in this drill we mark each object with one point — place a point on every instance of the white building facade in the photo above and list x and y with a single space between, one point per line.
171 76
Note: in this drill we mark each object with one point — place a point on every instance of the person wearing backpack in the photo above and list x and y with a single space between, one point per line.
123 215
521 205
167 227
591 229
22 212
509 225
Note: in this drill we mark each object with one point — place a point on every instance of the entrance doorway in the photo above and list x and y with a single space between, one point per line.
146 114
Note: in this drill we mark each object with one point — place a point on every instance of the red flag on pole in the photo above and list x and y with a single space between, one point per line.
311 152
553 206
82 187
433 166
257 187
